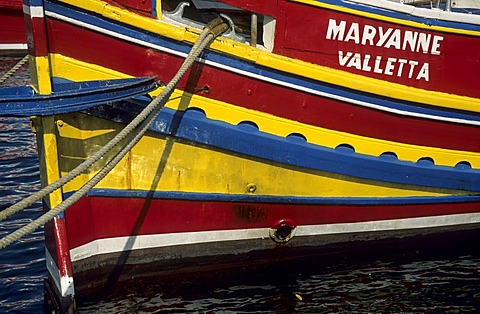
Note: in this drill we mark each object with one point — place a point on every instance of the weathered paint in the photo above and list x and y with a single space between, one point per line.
37 46
220 171
217 110
295 100
329 75
61 271
416 57
123 215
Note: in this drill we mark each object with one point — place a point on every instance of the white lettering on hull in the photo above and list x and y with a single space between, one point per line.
390 38
389 66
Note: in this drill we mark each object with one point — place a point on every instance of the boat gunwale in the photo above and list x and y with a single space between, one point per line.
271 60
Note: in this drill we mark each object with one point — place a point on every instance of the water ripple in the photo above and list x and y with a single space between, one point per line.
22 265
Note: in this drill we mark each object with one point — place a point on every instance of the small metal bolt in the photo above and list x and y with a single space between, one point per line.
34 124
251 188
206 89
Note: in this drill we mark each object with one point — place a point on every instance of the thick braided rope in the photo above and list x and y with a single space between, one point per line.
13 69
111 144
205 39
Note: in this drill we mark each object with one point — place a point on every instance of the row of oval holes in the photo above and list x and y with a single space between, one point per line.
297 137
424 161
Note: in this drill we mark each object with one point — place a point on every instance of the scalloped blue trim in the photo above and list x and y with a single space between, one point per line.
192 125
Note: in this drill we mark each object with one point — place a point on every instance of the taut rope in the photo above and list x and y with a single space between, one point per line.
13 69
147 116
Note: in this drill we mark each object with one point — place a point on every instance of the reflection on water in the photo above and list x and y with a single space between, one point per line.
412 282
22 265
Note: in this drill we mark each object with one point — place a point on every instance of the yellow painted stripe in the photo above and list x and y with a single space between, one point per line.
387 18
127 17
288 65
76 133
74 69
40 74
158 8
49 162
160 164
217 110
370 85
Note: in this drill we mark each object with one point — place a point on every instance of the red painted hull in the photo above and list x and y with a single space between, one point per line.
402 48
85 221
96 219
452 68
262 96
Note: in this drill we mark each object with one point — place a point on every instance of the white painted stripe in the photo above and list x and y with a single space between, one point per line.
63 284
33 11
423 12
259 77
345 99
115 245
13 46
114 34
389 225
119 244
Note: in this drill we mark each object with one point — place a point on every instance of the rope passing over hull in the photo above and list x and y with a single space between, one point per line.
13 69
144 119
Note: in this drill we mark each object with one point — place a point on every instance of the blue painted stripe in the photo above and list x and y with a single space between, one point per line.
70 96
211 197
280 78
33 3
194 126
154 8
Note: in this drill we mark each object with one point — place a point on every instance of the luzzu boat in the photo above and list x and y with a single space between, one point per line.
13 37
307 124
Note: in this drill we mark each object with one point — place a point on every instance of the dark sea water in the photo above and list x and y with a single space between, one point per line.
443 279
22 265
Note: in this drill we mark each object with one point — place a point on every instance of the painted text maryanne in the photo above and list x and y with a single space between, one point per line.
390 38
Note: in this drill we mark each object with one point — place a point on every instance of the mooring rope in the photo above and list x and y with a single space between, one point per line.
147 116
13 69
105 149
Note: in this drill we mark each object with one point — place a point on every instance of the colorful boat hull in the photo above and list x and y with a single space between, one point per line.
355 128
